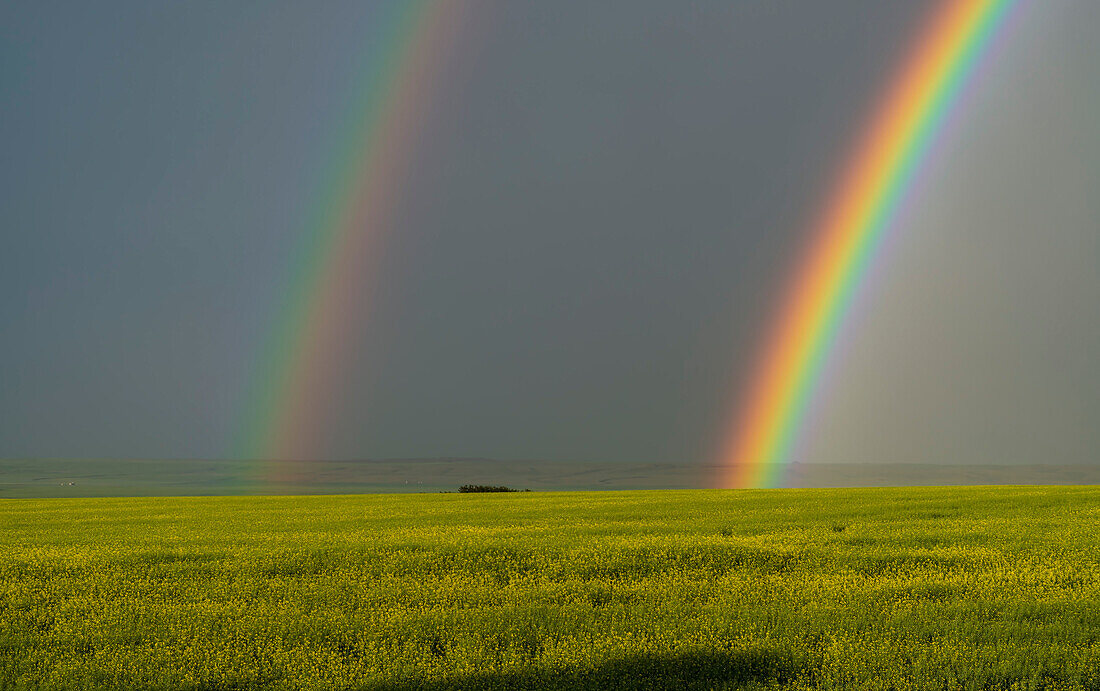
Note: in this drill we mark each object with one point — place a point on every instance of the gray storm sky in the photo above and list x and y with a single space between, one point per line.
603 209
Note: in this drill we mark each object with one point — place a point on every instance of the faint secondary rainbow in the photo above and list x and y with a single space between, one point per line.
329 287
850 228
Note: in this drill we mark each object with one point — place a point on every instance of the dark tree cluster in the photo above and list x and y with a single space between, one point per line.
487 488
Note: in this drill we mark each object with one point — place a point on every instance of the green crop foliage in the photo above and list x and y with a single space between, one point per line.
907 588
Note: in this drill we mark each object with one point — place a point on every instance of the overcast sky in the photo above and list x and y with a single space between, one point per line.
605 202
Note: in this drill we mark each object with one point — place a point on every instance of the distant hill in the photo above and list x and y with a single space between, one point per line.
135 477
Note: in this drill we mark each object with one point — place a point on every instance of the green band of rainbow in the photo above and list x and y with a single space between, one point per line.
330 280
850 230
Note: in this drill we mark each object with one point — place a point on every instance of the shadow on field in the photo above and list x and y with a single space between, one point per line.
698 670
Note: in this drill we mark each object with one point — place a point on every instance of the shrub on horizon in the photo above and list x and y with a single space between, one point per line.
466 489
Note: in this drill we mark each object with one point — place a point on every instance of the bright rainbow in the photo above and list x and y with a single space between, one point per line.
330 282
850 230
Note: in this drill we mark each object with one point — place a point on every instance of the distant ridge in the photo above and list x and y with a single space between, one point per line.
138 477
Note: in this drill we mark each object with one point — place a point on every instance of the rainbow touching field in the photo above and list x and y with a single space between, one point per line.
330 281
849 231
331 276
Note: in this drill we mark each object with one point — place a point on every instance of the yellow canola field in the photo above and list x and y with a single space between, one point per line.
902 588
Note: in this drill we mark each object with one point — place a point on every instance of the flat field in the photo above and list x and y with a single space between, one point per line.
972 588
